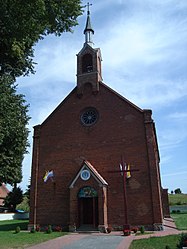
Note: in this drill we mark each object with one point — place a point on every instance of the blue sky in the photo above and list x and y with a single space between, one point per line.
144 51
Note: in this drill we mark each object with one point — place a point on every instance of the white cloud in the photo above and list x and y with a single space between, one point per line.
143 45
178 116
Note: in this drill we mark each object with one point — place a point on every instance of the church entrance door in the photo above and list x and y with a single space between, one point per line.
88 207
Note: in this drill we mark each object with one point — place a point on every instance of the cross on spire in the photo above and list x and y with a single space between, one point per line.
88 7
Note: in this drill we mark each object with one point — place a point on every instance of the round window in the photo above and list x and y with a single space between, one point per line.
89 116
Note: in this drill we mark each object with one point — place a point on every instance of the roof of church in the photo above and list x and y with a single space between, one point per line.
122 97
93 172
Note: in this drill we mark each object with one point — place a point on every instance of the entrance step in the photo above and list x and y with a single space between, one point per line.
87 229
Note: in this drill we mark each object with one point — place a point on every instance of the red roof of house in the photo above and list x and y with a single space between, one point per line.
3 193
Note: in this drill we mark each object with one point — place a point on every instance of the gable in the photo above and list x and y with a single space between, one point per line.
89 169
76 102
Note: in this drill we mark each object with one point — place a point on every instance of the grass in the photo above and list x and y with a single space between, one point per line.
161 242
145 233
180 220
156 242
10 240
9 225
177 199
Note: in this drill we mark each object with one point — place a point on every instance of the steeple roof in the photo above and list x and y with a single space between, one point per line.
88 31
88 24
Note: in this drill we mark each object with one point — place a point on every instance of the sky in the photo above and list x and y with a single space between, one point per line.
144 51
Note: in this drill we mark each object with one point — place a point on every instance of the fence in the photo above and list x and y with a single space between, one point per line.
14 216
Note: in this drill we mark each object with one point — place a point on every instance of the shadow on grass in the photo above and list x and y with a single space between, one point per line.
11 225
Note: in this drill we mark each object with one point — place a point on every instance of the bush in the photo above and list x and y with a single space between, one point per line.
142 230
179 203
167 247
33 230
49 229
18 229
182 241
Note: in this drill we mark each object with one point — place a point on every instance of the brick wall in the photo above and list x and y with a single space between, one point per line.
64 143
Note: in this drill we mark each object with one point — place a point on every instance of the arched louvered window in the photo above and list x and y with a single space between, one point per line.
87 63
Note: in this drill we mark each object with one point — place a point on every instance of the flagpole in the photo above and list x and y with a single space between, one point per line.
124 191
36 180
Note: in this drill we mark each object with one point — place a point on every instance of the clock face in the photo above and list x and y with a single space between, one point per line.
85 174
89 116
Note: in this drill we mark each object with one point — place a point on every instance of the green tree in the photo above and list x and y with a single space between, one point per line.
13 131
178 191
25 204
14 198
24 22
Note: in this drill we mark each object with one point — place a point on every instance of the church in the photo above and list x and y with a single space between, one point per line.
95 161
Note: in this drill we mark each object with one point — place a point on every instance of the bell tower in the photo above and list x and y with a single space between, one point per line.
88 61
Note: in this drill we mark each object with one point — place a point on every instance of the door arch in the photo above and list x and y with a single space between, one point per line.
88 206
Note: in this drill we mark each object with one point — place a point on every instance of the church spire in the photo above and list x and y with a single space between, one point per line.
88 31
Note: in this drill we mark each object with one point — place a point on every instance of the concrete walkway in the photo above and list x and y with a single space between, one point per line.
114 240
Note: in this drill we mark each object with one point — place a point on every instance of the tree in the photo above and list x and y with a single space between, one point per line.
24 23
14 198
13 131
178 191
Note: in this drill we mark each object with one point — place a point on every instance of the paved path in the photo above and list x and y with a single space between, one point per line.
114 240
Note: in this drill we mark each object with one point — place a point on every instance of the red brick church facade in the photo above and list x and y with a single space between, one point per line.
83 141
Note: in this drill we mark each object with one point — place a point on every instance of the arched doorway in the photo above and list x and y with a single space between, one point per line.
88 207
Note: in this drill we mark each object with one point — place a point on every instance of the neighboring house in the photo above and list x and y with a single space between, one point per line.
83 143
3 193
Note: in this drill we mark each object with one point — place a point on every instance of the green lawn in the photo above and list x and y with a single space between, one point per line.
156 242
9 239
161 242
180 221
177 199
9 225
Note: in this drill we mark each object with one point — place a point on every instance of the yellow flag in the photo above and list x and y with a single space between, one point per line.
128 175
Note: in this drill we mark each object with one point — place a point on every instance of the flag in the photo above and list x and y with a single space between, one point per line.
121 169
128 174
48 175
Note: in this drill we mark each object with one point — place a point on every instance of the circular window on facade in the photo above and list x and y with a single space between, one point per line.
89 116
